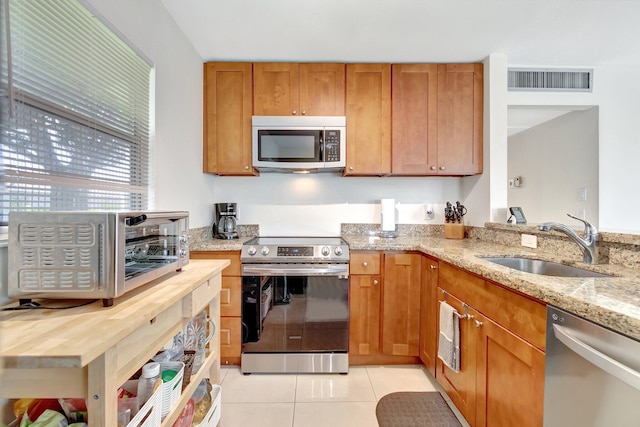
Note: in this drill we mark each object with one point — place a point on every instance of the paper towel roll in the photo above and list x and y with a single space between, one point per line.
388 215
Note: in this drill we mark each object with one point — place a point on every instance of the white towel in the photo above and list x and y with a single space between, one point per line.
449 337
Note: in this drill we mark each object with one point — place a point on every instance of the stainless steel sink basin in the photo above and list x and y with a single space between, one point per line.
545 268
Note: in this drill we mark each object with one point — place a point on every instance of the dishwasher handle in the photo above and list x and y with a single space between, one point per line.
601 360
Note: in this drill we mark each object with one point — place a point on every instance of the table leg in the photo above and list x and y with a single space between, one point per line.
102 401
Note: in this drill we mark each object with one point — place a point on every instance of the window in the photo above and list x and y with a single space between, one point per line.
74 117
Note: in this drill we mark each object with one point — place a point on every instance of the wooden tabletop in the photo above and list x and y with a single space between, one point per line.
46 338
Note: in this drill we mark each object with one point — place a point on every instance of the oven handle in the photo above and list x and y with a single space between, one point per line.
261 270
601 360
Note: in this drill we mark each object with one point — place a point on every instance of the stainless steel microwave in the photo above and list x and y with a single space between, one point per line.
299 143
87 255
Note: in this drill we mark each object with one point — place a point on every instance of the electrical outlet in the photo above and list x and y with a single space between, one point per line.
582 194
429 212
529 240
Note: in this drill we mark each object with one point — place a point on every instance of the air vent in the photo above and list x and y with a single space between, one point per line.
550 80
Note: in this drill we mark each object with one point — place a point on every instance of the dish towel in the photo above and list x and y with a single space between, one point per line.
449 337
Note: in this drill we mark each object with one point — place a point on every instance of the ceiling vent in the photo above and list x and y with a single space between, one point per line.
550 80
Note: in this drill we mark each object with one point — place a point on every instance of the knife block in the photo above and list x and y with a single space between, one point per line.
453 231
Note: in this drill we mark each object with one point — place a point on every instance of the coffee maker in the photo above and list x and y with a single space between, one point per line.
224 221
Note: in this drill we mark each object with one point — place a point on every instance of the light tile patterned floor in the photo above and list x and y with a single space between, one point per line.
305 400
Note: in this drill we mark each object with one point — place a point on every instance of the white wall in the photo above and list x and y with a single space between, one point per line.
179 132
555 159
616 91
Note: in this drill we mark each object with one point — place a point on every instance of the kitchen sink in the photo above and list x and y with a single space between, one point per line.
545 268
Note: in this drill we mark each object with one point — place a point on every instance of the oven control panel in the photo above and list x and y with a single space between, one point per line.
261 249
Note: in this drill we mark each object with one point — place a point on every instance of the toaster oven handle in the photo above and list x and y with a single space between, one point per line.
135 220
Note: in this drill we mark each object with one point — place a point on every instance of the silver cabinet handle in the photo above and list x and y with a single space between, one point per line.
294 112
304 112
365 264
433 267
441 168
478 323
433 168
601 360
375 282
246 168
350 168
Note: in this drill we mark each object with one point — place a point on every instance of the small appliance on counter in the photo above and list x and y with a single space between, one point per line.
86 255
388 218
225 221
453 223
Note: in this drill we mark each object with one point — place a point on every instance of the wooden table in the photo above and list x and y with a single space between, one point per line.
92 350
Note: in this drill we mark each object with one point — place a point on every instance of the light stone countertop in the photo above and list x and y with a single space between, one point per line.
612 301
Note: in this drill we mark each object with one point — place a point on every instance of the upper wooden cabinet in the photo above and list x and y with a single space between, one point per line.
227 118
460 119
284 89
414 140
368 119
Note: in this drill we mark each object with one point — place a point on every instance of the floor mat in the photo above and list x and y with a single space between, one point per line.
424 409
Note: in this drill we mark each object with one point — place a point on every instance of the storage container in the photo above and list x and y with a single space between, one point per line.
150 415
215 412
172 389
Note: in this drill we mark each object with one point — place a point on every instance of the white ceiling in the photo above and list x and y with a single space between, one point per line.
570 33
529 32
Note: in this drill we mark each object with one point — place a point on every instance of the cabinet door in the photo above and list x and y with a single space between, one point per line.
230 296
275 89
429 313
401 304
460 119
461 385
230 340
322 89
364 314
510 378
414 140
227 119
368 119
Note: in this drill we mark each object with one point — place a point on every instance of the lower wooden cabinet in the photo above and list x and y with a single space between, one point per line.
429 313
509 379
230 305
401 304
384 304
501 377
364 314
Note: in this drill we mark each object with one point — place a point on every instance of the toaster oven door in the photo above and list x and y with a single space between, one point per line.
153 245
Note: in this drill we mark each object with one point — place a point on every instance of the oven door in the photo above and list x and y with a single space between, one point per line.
295 309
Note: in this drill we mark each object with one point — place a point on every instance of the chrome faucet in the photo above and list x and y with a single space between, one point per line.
588 244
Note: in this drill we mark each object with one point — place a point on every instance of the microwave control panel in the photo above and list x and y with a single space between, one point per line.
332 145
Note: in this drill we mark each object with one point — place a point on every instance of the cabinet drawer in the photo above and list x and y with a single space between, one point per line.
519 314
230 296
234 269
146 340
364 263
195 302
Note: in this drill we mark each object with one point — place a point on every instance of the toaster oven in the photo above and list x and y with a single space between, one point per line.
87 255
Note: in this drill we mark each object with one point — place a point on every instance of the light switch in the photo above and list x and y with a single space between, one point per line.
582 194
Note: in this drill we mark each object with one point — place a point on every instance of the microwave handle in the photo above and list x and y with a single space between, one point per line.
321 147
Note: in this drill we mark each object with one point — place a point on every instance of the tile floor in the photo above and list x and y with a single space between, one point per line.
305 400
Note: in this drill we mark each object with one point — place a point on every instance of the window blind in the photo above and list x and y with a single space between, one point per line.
75 112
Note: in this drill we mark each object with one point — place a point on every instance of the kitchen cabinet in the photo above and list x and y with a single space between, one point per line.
227 118
460 112
89 351
365 296
414 138
230 305
502 342
429 313
368 119
384 304
401 304
311 89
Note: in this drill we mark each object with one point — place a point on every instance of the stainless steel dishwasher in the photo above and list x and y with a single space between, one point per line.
592 374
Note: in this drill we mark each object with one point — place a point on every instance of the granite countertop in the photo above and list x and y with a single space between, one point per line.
611 301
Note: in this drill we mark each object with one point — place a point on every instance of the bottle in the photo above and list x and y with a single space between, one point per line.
150 374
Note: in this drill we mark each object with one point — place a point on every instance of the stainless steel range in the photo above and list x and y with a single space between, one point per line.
295 305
